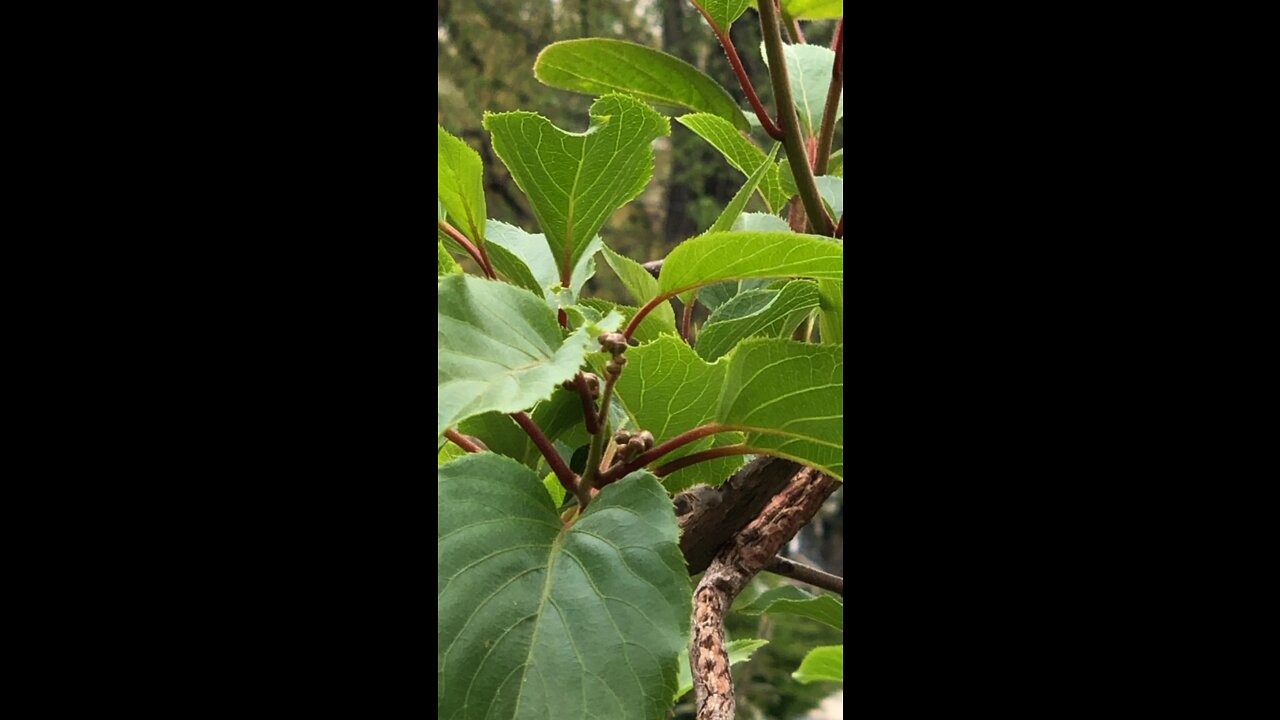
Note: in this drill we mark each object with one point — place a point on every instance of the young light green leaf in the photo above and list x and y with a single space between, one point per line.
445 264
809 68
822 663
788 398
814 9
836 165
739 652
554 489
792 600
498 348
642 285
440 213
724 12
716 257
731 212
740 152
831 320
460 184
763 222
756 313
667 389
574 181
449 452
595 66
542 622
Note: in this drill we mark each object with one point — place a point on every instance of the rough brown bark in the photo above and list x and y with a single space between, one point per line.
750 551
710 516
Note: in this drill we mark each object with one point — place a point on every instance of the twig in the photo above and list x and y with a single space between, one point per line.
461 441
476 254
791 26
588 406
790 121
806 574
703 456
737 562
685 326
648 456
566 476
827 132
726 42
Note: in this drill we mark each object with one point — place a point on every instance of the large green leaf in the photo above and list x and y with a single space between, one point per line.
740 152
724 12
596 66
574 181
739 652
716 257
788 398
814 9
831 321
667 389
822 663
729 217
791 600
460 184
756 313
641 284
498 348
809 68
539 621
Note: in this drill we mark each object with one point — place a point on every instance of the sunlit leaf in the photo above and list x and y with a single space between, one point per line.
596 66
788 398
642 285
575 181
460 184
716 257
740 152
445 264
791 600
498 348
814 9
729 217
822 663
724 12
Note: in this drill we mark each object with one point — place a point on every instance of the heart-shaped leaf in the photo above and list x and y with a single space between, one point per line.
540 621
574 181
